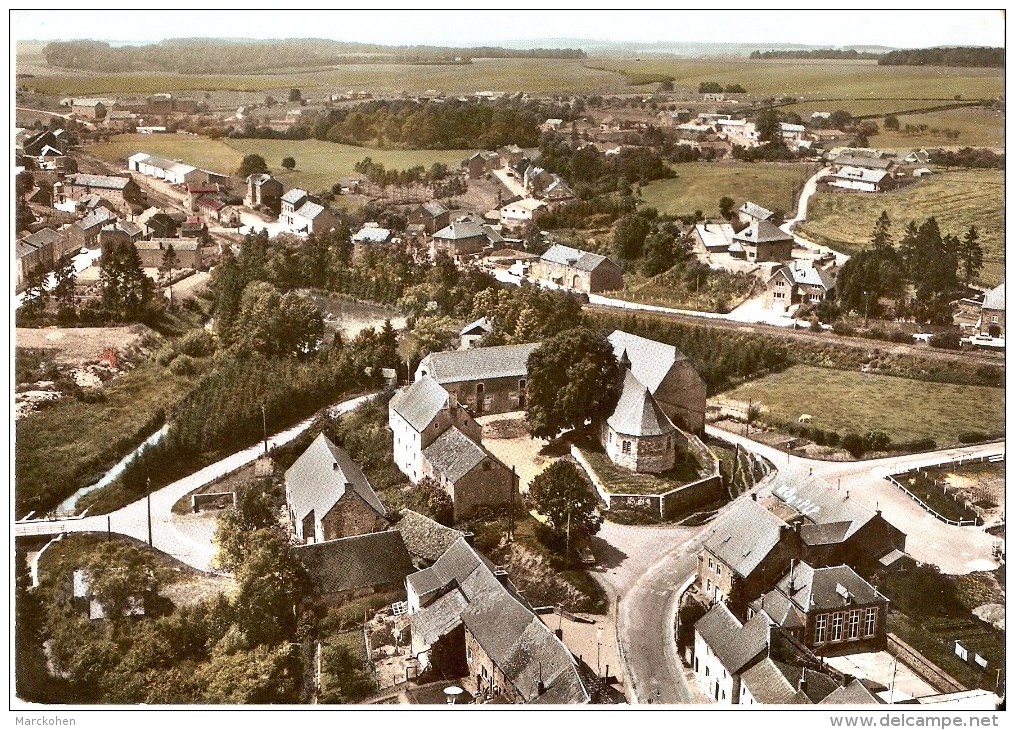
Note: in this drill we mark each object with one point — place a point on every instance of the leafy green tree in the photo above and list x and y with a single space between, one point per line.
127 292
262 676
33 303
254 510
65 282
277 325
295 95
428 498
289 163
767 126
560 493
252 165
726 204
347 682
629 236
119 574
271 582
892 122
971 254
881 237
574 377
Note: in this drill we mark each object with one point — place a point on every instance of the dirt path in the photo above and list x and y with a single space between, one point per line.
77 345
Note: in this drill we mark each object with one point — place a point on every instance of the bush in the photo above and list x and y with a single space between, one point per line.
182 365
900 337
841 328
832 438
877 441
196 343
165 356
949 340
855 444
972 437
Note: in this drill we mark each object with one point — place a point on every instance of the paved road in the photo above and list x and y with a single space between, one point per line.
186 539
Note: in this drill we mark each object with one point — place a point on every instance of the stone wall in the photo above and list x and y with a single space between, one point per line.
351 516
500 395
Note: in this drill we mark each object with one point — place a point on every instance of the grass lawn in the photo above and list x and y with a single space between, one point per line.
69 444
824 79
958 199
621 481
699 185
318 164
907 410
935 498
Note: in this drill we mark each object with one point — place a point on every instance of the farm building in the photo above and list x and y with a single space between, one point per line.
579 271
861 178
172 171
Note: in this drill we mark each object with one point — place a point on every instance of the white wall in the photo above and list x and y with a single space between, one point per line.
709 674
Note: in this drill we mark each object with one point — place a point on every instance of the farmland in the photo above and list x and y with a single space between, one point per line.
810 80
699 185
958 199
318 164
977 127
907 410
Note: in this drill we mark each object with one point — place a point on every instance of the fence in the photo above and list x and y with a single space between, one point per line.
933 674
952 461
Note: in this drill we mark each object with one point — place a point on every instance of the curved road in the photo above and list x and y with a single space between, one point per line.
187 540
642 568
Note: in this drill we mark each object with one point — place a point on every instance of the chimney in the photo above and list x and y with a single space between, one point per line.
802 686
754 496
334 466
792 574
470 538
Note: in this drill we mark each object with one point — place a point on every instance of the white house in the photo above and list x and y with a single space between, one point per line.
520 211
860 178
724 649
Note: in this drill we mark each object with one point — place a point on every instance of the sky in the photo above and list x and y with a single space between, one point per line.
904 28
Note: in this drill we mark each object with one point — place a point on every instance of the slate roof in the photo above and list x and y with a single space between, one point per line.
310 210
637 413
817 589
371 234
420 403
806 275
168 165
994 299
351 563
755 211
103 182
294 196
851 172
822 504
321 476
131 229
733 643
480 363
745 536
434 208
818 685
45 237
869 163
651 361
460 230
714 235
480 325
573 257
853 693
507 630
769 686
827 533
425 538
453 455
94 219
762 232
781 610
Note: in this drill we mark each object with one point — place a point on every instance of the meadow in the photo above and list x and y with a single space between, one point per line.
977 127
699 185
318 164
907 410
958 199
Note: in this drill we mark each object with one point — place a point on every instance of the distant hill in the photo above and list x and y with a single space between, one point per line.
669 48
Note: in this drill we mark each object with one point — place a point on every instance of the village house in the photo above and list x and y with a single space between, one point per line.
484 379
196 191
214 209
580 271
263 190
329 497
724 649
991 320
473 332
194 227
120 121
743 555
369 236
519 212
38 144
668 375
122 192
481 163
752 212
425 539
510 154
172 171
114 234
831 610
155 223
863 179
89 108
35 252
460 240
348 568
797 283
85 232
467 621
302 214
153 252
762 241
433 216
714 237
85 205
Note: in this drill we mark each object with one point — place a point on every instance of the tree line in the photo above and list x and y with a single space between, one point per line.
963 56
837 54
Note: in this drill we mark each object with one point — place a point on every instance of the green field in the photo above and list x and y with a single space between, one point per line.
977 127
958 199
907 410
818 79
699 185
861 107
318 164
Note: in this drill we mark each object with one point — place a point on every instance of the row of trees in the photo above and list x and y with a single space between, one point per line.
590 172
964 56
436 182
714 87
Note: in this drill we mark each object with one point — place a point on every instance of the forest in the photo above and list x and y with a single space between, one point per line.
957 56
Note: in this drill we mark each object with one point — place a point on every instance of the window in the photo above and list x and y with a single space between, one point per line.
708 585
625 447
870 621
718 569
779 295
837 620
706 670
993 319
710 566
853 630
696 667
468 653
820 628
750 613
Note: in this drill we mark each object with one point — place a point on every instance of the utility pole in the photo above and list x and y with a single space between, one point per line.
150 543
567 549
264 426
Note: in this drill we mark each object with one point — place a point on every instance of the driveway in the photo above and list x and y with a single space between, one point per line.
810 187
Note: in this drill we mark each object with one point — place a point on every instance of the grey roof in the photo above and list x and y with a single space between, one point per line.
294 196
762 232
637 413
321 476
45 237
420 403
425 538
310 210
261 179
851 172
163 164
806 275
821 503
480 363
95 219
104 182
870 163
131 229
827 533
460 230
581 260
369 234
453 455
350 563
769 686
755 211
22 248
736 645
853 693
744 536
780 609
480 325
178 244
821 589
514 638
994 299
434 208
651 361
